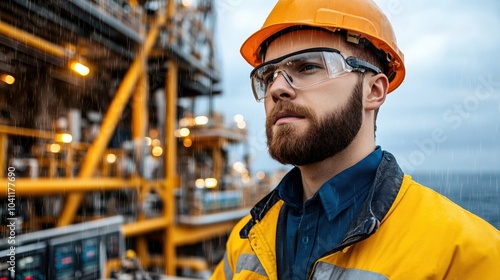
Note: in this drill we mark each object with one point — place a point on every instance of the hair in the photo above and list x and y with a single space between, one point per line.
363 50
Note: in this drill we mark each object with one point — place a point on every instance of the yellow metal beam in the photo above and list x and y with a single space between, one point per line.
112 265
30 187
171 12
218 161
141 246
3 153
170 163
133 3
122 96
33 41
140 119
184 235
146 226
140 108
192 263
28 132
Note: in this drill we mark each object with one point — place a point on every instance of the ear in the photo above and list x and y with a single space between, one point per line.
378 86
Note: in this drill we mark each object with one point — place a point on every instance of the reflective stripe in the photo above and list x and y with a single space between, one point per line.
329 271
251 263
227 269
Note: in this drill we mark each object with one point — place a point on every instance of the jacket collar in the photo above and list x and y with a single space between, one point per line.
259 211
386 185
382 195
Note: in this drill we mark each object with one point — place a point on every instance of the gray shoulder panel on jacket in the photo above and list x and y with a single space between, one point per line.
329 271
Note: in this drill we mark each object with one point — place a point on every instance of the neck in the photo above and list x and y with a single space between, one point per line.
316 174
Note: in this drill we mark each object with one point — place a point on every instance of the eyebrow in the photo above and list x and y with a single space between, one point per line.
282 58
303 57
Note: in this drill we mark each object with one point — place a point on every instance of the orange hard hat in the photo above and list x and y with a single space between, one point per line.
362 18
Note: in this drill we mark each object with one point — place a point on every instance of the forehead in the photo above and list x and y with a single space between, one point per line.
305 39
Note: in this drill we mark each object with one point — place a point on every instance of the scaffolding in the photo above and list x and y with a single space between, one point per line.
111 142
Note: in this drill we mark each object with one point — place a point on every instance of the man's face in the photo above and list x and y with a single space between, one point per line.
310 125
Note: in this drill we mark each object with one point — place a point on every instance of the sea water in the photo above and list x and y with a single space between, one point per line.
478 192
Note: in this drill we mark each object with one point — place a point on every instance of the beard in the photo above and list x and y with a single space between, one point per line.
323 138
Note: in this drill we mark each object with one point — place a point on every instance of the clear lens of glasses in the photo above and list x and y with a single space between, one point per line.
304 68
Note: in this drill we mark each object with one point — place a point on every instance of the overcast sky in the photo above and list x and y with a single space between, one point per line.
446 114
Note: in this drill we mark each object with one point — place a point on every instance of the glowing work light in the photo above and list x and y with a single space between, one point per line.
80 68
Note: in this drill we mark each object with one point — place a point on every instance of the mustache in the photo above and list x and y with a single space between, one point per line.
287 107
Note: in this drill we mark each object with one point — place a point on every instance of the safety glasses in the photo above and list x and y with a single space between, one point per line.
306 68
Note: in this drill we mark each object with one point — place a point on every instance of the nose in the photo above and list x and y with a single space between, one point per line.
281 87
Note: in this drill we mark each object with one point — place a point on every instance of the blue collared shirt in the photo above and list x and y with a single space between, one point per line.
308 230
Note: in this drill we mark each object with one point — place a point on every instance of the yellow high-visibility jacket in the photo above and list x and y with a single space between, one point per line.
404 231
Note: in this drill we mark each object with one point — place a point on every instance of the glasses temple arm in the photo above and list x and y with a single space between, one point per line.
360 65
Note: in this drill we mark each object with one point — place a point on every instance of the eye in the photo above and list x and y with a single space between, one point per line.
268 78
310 67
266 74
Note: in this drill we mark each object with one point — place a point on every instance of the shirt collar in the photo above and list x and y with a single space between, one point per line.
337 193
290 189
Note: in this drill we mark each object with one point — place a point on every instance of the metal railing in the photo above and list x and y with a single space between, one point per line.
122 11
